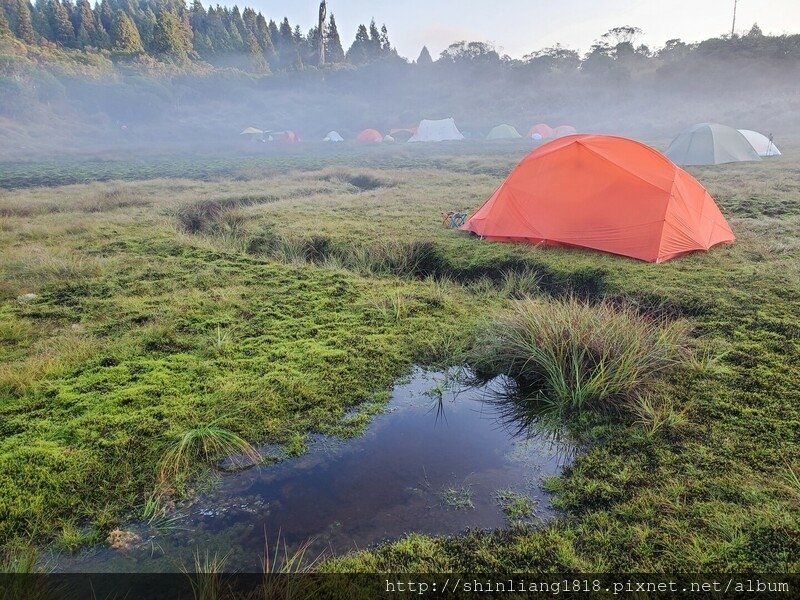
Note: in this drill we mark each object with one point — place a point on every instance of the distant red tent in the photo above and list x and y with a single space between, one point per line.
285 137
606 193
369 136
564 130
544 132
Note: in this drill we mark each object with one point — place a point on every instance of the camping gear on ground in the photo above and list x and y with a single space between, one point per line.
503 132
763 145
388 138
333 136
369 136
454 220
437 131
710 144
606 193
541 130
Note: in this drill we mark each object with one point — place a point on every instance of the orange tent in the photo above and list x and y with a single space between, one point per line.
606 193
370 135
543 130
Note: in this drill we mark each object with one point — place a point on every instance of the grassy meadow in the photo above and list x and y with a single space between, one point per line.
195 308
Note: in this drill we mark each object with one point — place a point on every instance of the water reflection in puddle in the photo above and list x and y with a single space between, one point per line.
432 463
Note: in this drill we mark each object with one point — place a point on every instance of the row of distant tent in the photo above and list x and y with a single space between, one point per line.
702 144
441 130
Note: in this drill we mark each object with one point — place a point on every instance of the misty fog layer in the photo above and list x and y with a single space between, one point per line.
57 100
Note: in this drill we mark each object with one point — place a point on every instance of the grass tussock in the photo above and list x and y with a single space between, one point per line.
363 181
579 355
34 267
110 199
204 445
16 559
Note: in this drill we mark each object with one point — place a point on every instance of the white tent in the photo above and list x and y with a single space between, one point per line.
333 136
437 131
251 131
388 138
760 143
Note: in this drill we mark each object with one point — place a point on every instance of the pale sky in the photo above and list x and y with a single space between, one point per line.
521 26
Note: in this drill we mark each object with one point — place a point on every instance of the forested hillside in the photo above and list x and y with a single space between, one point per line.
120 73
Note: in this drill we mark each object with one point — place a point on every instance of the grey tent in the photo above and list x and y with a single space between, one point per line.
710 144
503 132
761 143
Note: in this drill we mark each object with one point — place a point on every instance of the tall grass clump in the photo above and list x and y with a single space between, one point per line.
279 567
579 355
204 445
207 577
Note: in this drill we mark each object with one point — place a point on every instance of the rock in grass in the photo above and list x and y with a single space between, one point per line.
26 298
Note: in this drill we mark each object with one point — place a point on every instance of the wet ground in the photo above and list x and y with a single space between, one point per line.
441 459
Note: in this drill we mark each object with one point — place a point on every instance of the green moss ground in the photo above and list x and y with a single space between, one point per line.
141 331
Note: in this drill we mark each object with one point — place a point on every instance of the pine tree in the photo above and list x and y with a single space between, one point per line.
358 54
386 45
41 20
249 20
85 19
24 25
126 39
217 33
5 30
83 39
264 38
310 47
257 61
102 39
288 56
106 16
374 46
424 57
146 24
168 36
198 19
334 53
237 43
237 22
63 33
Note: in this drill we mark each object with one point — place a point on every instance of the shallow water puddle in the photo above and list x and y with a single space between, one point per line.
432 463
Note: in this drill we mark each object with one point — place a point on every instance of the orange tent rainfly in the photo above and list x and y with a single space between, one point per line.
540 132
370 135
606 193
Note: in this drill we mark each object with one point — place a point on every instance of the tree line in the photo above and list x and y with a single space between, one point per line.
222 36
169 29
